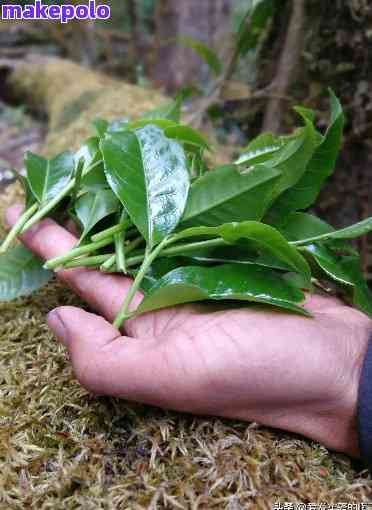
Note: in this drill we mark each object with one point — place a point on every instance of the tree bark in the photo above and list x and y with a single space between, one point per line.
204 21
288 65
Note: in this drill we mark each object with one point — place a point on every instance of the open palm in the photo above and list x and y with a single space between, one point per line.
282 370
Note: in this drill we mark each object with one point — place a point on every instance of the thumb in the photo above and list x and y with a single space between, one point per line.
106 363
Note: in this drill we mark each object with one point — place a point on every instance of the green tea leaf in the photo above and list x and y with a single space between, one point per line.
92 207
260 149
148 173
300 225
101 126
238 255
170 110
30 198
362 297
89 151
159 268
346 271
319 168
352 232
206 53
161 123
226 282
225 195
48 177
257 156
263 140
264 237
21 273
330 263
118 125
94 180
186 134
292 159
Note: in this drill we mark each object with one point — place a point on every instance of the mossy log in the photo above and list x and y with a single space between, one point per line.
61 448
72 96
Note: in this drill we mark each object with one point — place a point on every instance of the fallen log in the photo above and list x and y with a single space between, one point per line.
71 96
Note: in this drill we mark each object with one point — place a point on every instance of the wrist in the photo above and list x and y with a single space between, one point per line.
341 431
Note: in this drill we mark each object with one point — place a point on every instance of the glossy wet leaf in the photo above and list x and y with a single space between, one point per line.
160 268
345 270
94 180
260 149
30 198
89 151
226 282
224 195
187 134
47 178
263 237
92 207
118 125
170 110
238 255
304 225
101 126
330 263
21 273
354 231
160 123
257 156
148 173
319 168
263 140
292 159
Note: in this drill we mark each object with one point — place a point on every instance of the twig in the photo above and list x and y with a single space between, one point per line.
288 63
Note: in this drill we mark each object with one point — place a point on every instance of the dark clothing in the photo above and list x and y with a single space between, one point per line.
365 407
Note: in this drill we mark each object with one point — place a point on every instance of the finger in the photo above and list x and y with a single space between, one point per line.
107 363
318 303
105 293
71 227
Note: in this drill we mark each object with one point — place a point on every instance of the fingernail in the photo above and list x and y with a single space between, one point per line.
56 324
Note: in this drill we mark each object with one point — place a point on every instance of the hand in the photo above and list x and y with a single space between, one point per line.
281 370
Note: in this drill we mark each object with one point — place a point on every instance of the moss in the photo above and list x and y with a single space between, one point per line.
62 449
56 86
73 109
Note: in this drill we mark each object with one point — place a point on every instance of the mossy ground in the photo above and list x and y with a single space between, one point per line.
61 448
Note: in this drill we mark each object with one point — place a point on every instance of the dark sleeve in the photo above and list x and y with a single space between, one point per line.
365 407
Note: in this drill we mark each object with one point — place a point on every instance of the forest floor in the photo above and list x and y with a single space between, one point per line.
61 448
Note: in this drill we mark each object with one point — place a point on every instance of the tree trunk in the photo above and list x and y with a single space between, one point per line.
288 66
204 21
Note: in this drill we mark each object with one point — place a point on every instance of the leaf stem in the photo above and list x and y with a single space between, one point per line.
120 252
76 252
44 211
108 264
148 260
109 232
78 176
181 249
95 261
17 228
